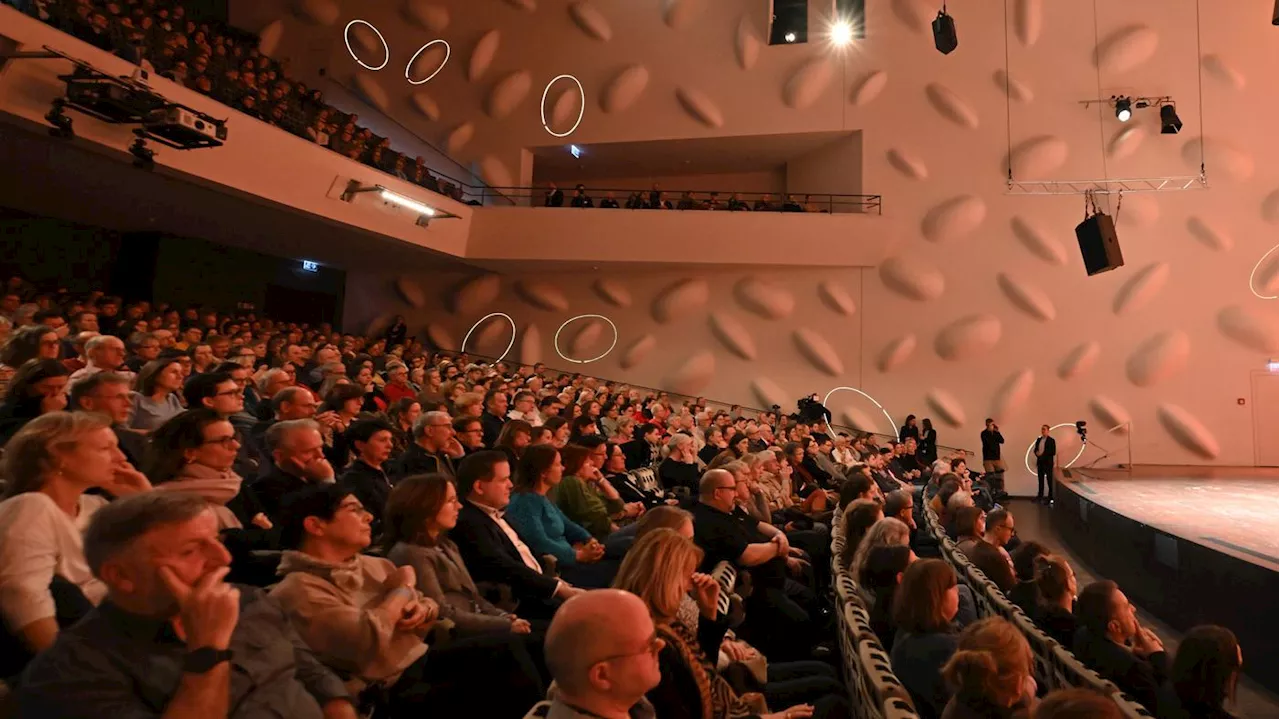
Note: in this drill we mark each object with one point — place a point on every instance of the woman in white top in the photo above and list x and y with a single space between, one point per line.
50 464
157 397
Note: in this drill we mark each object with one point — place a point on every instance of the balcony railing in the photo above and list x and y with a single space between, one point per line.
693 200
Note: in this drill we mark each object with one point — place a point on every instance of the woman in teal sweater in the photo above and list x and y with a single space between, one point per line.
546 529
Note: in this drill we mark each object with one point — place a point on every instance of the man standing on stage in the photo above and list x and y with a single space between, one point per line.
1046 451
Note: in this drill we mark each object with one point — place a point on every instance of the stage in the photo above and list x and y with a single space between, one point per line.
1189 545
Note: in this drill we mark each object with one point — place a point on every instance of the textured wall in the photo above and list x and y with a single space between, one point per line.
983 307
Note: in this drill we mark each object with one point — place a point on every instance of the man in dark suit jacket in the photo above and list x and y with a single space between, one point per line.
494 416
555 196
297 453
1108 626
1046 451
492 550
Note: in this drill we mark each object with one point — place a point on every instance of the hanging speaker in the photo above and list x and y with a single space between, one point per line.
944 33
1099 245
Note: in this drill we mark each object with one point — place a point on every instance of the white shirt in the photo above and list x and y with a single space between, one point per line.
39 541
533 418
526 554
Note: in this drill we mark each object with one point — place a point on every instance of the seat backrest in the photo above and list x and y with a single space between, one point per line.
726 575
1130 708
899 709
1041 649
645 479
877 670
846 590
1070 671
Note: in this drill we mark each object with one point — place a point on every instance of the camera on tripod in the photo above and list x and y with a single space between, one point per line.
1082 430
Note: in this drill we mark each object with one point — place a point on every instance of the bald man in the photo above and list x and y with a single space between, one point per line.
602 650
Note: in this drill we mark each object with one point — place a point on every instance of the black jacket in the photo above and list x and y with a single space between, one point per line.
991 441
492 427
629 491
417 460
639 454
371 486
1139 678
491 557
272 487
1047 453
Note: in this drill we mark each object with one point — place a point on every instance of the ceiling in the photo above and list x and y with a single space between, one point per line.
80 182
694 156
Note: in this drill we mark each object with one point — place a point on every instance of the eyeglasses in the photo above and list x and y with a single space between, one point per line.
651 646
228 392
727 486
352 506
224 441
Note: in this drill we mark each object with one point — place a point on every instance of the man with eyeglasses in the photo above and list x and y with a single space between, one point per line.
434 450
108 393
990 556
780 609
602 650
222 393
470 433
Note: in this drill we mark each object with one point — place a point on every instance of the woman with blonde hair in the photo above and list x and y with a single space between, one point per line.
990 672
661 570
886 532
50 465
622 434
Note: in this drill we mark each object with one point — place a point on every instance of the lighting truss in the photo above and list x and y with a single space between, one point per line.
1107 186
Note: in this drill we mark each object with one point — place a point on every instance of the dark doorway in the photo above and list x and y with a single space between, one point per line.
290 305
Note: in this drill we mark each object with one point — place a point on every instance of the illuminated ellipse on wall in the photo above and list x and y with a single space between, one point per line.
893 426
556 340
386 51
480 321
1026 460
1254 272
542 110
421 50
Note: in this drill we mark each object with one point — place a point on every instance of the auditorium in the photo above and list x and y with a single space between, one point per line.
639 359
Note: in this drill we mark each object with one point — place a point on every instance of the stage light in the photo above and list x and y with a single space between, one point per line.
1169 122
405 202
1124 109
414 59
789 37
556 341
944 32
463 348
386 50
582 106
841 33
62 125
893 426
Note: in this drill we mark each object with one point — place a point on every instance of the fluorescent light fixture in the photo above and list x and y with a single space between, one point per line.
310 266
405 202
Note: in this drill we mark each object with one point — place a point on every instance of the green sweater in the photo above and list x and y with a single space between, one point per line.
584 504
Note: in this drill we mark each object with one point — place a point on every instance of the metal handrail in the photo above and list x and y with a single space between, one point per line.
805 202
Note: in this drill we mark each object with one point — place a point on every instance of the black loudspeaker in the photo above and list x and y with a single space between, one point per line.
1099 245
944 33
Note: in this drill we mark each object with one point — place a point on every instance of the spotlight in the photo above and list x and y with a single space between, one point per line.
61 123
143 156
789 37
841 33
1124 109
1169 122
944 32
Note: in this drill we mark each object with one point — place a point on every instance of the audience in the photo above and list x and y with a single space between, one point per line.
1203 676
1025 595
924 608
990 672
1111 642
1054 612
156 398
988 553
1077 704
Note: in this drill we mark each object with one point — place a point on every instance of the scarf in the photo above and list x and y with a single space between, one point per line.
717 698
216 486
347 576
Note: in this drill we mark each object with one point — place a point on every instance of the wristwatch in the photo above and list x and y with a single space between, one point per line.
199 661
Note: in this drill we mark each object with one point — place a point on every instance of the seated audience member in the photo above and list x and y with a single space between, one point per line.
1077 704
524 407
1025 594
990 672
420 512
881 577
779 610
886 532
971 525
924 608
586 497
554 196
629 489
76 358
365 477
858 518
194 452
661 569
1056 599
26 343
581 198
546 529
37 388
145 348
680 468
1111 642
489 545
398 386
50 465
434 450
105 353
514 439
990 556
107 393
642 450
1202 679
365 618
609 202
470 433
858 486
297 460
156 399
172 638
602 650
899 505
493 417
958 501
401 415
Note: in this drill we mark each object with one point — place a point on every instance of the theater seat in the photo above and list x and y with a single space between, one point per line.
878 671
899 709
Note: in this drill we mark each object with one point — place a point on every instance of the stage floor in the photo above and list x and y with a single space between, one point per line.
1235 515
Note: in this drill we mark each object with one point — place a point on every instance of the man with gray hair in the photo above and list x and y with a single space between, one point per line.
602 650
172 637
105 353
297 460
435 448
107 393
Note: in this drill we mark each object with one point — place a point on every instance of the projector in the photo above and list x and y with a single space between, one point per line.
184 128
